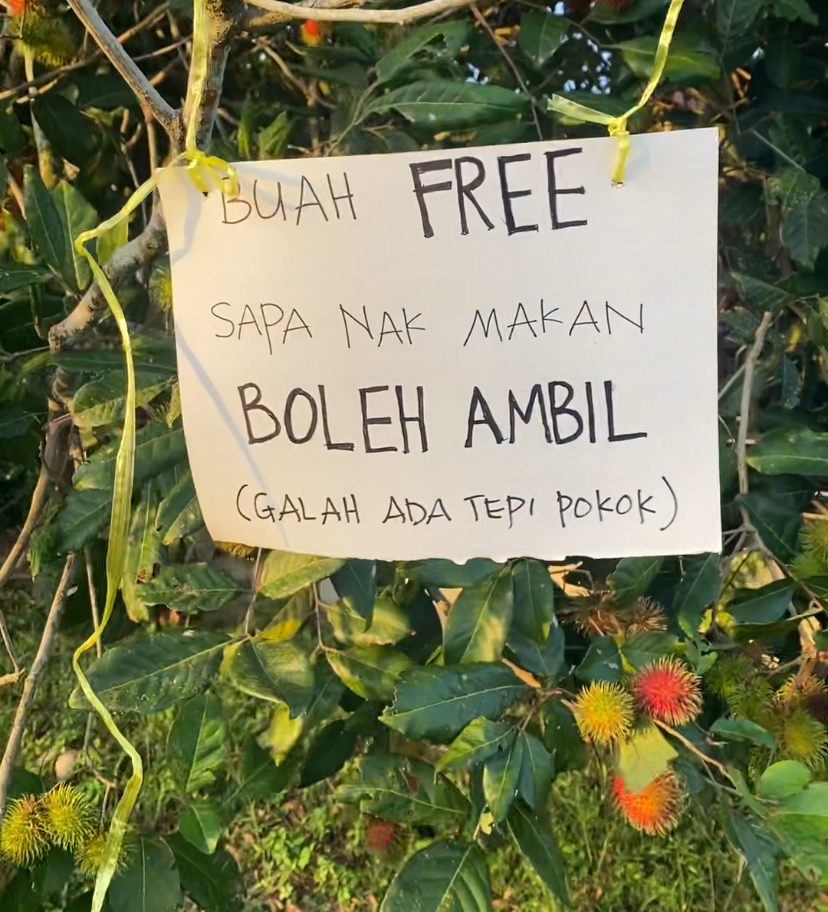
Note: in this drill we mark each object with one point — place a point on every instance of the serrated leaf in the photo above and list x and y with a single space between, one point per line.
445 877
179 513
389 624
798 451
537 844
143 551
371 672
643 757
536 773
632 577
443 105
479 740
213 881
284 572
76 215
43 220
541 34
271 670
478 622
200 825
356 585
197 742
534 600
188 588
438 702
501 777
150 883
329 752
805 230
148 673
782 780
157 448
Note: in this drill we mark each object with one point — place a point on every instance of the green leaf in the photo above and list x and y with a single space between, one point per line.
698 588
541 34
111 239
687 62
356 585
148 673
290 618
534 838
389 624
213 881
179 513
608 14
776 519
755 847
371 672
743 730
284 732
789 187
200 825
439 702
762 295
260 776
602 661
795 9
643 757
443 574
805 230
445 877
479 740
764 605
408 790
70 133
284 572
798 451
143 551
734 17
76 215
14 422
632 577
403 51
14 276
150 883
640 649
547 660
83 514
271 670
561 736
443 105
101 401
329 752
271 142
197 742
43 220
188 588
501 777
157 448
536 773
478 622
534 600
782 780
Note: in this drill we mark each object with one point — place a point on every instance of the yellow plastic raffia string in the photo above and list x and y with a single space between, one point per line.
206 172
617 126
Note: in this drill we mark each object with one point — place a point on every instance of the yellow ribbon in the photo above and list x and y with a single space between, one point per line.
617 126
206 172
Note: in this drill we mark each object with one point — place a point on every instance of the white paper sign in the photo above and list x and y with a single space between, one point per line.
474 352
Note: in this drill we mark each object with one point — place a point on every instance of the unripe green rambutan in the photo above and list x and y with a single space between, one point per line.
47 37
23 838
729 672
67 816
804 739
814 541
90 852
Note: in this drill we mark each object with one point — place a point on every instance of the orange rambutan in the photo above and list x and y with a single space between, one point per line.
668 691
604 712
655 809
17 7
312 33
380 834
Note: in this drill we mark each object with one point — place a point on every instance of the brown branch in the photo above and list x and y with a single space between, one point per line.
146 93
43 652
692 748
14 677
281 11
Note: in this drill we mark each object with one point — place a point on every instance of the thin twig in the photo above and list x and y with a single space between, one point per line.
284 11
692 748
511 64
14 677
747 393
126 66
30 686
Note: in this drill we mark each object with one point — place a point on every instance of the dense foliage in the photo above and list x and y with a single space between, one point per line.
464 690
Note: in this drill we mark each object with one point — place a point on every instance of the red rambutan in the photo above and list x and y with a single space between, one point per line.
380 834
666 690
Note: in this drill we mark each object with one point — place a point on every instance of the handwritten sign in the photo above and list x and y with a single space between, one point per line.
455 353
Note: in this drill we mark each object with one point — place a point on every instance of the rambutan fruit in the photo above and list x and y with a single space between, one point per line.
89 853
668 691
814 540
645 616
23 838
604 712
599 619
67 817
794 690
653 810
17 7
804 739
380 835
728 672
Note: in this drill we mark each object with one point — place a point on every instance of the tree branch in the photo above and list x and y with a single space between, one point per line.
29 688
148 96
281 11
